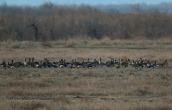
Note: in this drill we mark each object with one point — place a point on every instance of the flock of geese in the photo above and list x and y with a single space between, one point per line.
120 63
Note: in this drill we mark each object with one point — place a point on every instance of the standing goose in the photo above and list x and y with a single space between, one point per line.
155 64
86 63
118 65
101 63
3 64
33 63
125 64
76 64
110 63
29 63
44 64
25 63
62 63
133 62
11 65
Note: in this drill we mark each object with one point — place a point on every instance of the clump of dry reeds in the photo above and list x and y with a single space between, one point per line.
46 44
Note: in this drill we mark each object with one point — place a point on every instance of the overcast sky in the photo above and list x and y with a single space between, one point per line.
89 2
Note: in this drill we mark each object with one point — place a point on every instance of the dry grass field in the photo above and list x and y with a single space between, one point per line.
100 88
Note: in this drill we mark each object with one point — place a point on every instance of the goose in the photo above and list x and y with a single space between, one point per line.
138 64
40 65
76 64
163 64
54 63
49 64
29 63
25 63
155 64
149 65
95 63
33 64
133 62
89 66
86 63
45 63
18 64
3 64
88 60
141 64
110 63
8 65
62 63
11 65
101 63
118 65
144 62
125 64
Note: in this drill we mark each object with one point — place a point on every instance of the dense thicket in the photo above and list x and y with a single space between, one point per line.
52 22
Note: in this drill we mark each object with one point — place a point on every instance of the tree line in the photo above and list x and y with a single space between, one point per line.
52 22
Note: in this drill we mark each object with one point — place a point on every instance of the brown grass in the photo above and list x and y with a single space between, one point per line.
98 88
74 88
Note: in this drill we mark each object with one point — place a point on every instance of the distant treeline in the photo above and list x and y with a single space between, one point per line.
162 7
52 22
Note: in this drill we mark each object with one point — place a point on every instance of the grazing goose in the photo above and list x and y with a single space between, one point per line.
40 65
89 66
35 63
54 63
18 64
163 64
149 65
